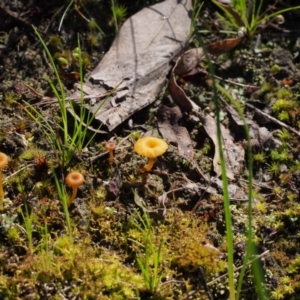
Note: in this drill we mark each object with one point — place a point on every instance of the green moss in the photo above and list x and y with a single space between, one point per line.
93 39
282 156
284 135
275 69
5 289
259 157
274 168
282 104
266 87
10 98
284 94
55 40
32 152
136 134
283 116
13 234
191 248
92 24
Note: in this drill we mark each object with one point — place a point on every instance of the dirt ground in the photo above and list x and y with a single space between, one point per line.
40 258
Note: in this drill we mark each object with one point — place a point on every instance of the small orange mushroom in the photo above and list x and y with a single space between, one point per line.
150 147
3 163
110 147
74 180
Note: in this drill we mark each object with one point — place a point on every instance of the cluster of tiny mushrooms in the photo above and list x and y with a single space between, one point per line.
148 146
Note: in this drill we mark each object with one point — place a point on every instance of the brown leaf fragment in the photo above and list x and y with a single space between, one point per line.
179 96
188 61
138 61
233 153
223 46
260 137
168 118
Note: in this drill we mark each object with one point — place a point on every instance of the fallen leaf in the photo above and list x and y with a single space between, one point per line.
191 58
168 118
260 137
188 62
233 153
223 46
179 96
138 61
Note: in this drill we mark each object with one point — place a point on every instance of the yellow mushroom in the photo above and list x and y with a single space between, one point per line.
150 147
74 179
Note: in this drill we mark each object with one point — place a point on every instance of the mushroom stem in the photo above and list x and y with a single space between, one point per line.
111 157
3 163
74 192
110 147
1 188
1 191
149 165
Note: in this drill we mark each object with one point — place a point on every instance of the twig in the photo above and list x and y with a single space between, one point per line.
236 83
48 100
238 268
273 119
202 275
13 174
188 295
92 159
17 17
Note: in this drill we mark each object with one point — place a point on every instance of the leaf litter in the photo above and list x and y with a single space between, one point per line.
138 61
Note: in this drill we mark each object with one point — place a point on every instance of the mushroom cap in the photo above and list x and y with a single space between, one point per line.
150 146
3 160
109 146
74 179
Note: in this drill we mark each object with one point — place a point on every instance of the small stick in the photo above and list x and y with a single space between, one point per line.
188 295
48 100
206 288
20 170
273 119
92 159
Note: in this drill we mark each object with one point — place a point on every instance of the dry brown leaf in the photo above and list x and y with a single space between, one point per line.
179 96
260 137
191 58
233 153
139 60
168 118
223 46
188 61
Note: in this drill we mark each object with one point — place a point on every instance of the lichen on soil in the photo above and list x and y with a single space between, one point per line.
122 217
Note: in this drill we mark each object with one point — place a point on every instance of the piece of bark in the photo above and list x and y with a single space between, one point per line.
138 61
